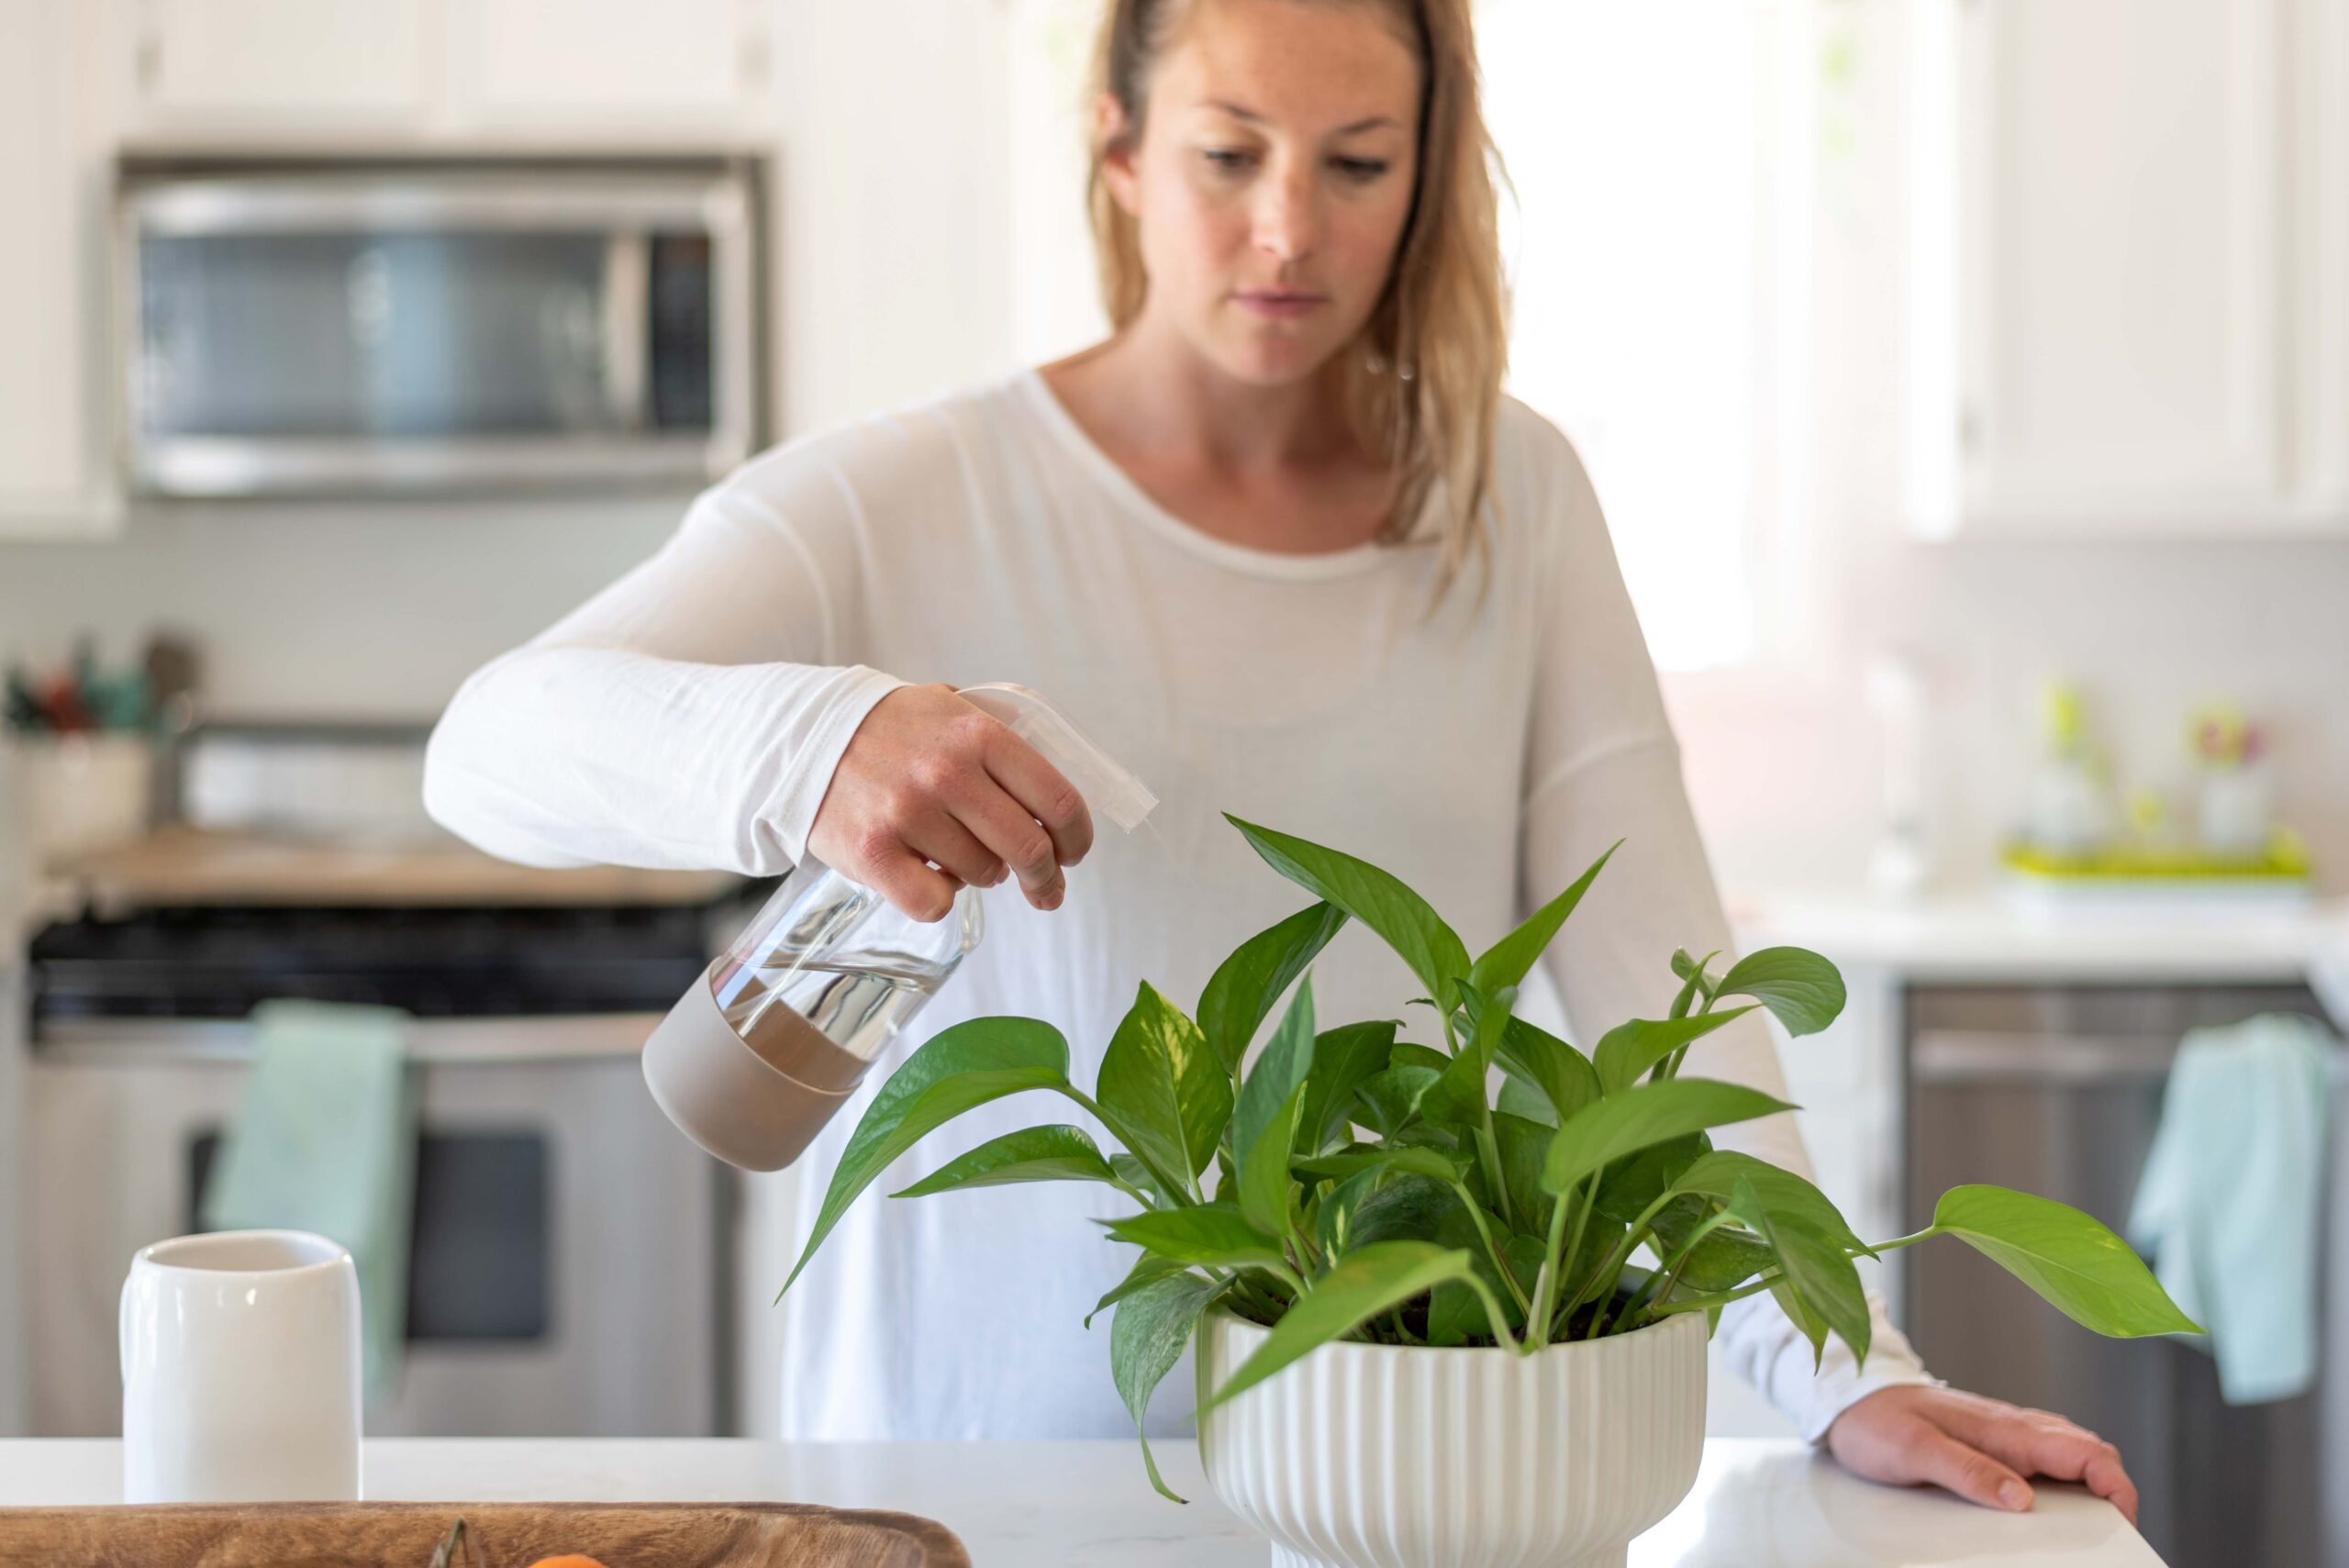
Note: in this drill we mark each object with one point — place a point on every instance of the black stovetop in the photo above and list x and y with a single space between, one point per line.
218 962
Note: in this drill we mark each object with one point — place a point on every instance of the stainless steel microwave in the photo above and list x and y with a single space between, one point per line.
406 328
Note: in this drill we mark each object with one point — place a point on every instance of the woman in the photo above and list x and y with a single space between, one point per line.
1283 546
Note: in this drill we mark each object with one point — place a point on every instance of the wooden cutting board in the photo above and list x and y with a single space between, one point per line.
510 1535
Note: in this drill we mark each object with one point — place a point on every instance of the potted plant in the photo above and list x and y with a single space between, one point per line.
1439 1326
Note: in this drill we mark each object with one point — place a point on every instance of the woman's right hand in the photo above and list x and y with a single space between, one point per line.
928 778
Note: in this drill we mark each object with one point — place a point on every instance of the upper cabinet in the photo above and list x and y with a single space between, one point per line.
2114 294
576 72
50 187
254 65
609 64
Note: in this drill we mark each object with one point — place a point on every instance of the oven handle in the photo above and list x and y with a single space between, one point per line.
1957 1056
478 1042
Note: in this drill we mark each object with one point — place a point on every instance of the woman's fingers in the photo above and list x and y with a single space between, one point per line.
2038 1443
1042 793
938 837
1003 826
1945 1462
907 881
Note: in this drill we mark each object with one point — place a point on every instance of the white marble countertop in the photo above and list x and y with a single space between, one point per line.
1984 936
1062 1505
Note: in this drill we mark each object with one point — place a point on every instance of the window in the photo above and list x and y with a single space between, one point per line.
1633 134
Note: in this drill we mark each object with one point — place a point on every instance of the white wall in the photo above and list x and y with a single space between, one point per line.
892 280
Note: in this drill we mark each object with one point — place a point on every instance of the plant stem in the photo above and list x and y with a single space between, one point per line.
1489 1149
1927 1234
1611 1265
1134 1192
1719 1298
1660 1283
1484 1231
1582 1223
1545 1283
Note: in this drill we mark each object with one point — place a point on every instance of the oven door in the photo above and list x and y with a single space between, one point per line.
564 1277
351 330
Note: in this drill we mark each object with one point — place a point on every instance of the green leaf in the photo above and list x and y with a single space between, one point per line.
2084 1270
1455 1311
960 1067
1804 1317
1148 1267
1524 1147
1146 1339
1724 1260
1563 1074
1411 1053
1381 1205
1508 960
1369 1282
1803 989
1812 1265
1627 1051
1161 1091
1056 1154
1457 1098
1432 1164
1649 1113
1208 1234
1377 899
1692 972
1391 1099
1273 1083
1264 1168
1134 1174
1781 1191
1342 1058
1521 1099
1631 1184
1243 988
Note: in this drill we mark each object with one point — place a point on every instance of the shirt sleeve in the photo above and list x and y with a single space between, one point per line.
689 716
1602 764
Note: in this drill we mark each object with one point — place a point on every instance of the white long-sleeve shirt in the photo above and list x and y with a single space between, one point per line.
691 715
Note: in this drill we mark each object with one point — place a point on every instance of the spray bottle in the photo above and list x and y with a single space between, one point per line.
780 1030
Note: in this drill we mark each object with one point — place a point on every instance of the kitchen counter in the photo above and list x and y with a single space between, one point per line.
1084 1504
1982 937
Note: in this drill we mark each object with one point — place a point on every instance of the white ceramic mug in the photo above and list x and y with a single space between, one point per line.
240 1370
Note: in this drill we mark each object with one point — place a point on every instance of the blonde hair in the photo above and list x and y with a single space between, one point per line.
1424 375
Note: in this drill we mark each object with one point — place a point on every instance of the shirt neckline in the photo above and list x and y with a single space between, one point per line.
1310 565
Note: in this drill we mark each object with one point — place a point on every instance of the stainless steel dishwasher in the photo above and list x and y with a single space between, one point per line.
2057 1089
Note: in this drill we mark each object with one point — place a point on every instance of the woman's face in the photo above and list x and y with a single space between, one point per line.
1273 179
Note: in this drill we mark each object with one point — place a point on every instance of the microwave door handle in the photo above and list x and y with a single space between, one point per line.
628 329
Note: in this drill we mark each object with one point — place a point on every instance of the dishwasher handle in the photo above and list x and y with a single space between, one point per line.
1963 1056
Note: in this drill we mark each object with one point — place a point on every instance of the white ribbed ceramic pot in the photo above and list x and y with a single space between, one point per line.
1386 1456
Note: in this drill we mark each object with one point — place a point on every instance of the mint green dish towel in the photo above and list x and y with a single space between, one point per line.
2229 1205
325 1141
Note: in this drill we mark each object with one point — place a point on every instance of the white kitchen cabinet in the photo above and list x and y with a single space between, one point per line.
2105 317
607 64
50 293
316 65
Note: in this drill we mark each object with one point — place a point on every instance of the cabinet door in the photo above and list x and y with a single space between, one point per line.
586 64
48 298
2120 328
314 63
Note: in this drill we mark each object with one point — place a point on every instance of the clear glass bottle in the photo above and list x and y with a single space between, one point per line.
753 1060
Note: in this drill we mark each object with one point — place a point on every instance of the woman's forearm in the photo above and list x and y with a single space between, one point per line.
566 755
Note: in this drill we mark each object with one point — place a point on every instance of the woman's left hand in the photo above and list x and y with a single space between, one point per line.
1981 1448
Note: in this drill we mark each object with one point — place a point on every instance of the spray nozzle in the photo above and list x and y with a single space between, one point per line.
1108 787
